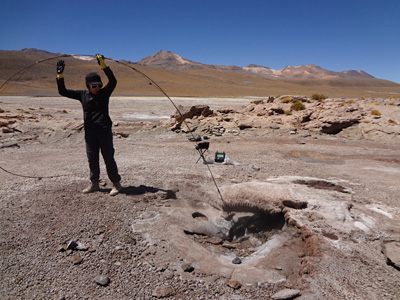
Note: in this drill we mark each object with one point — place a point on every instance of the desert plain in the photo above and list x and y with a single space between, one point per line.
305 205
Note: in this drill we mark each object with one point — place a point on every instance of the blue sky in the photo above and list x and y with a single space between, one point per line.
336 35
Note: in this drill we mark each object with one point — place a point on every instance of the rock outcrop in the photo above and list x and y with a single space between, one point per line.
352 118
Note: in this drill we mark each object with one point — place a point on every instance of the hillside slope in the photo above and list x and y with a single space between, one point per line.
192 79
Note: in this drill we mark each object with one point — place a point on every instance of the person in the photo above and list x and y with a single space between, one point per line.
97 123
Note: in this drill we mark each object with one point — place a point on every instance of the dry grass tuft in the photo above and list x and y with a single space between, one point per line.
375 113
298 106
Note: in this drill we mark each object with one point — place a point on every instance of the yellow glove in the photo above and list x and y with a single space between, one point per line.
100 61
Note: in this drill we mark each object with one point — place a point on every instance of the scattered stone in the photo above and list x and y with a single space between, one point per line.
228 246
237 261
76 259
62 248
234 284
286 294
392 253
7 130
129 240
74 245
187 268
123 134
91 250
189 112
81 247
279 268
163 292
102 280
254 167
243 126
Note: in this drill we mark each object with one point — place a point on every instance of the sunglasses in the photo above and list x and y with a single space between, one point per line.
95 86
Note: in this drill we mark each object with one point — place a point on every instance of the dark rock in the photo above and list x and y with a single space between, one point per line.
392 253
237 261
244 126
187 268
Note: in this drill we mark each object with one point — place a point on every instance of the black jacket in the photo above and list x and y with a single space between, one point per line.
95 107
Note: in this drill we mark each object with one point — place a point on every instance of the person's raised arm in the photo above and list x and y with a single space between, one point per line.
62 90
112 81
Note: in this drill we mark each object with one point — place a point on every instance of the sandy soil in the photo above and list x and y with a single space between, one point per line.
169 234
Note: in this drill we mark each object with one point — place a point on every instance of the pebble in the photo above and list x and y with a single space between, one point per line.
254 167
187 268
234 284
286 294
163 292
76 259
102 280
237 261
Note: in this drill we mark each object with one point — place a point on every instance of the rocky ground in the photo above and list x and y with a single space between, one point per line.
308 205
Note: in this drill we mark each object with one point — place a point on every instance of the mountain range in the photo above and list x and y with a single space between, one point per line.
172 61
32 72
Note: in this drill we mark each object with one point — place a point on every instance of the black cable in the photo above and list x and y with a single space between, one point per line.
35 177
31 65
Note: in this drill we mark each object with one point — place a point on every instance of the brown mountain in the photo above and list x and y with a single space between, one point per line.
32 72
172 61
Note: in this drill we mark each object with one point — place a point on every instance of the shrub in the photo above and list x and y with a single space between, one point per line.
351 101
375 113
286 99
318 97
288 113
392 122
1 110
362 98
298 106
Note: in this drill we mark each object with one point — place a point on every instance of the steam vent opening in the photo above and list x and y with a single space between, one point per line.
240 233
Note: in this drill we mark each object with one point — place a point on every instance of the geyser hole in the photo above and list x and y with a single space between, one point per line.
257 224
240 234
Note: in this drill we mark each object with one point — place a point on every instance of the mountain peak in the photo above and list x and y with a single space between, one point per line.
168 60
172 61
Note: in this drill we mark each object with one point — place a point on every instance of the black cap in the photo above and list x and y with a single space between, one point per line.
93 78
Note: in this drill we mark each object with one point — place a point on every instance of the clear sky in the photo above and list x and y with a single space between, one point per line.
337 35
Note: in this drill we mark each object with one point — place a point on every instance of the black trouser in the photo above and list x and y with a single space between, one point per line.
101 140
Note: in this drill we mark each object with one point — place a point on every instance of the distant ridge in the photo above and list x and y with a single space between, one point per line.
171 61
179 76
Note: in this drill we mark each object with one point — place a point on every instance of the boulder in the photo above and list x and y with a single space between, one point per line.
392 253
188 112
